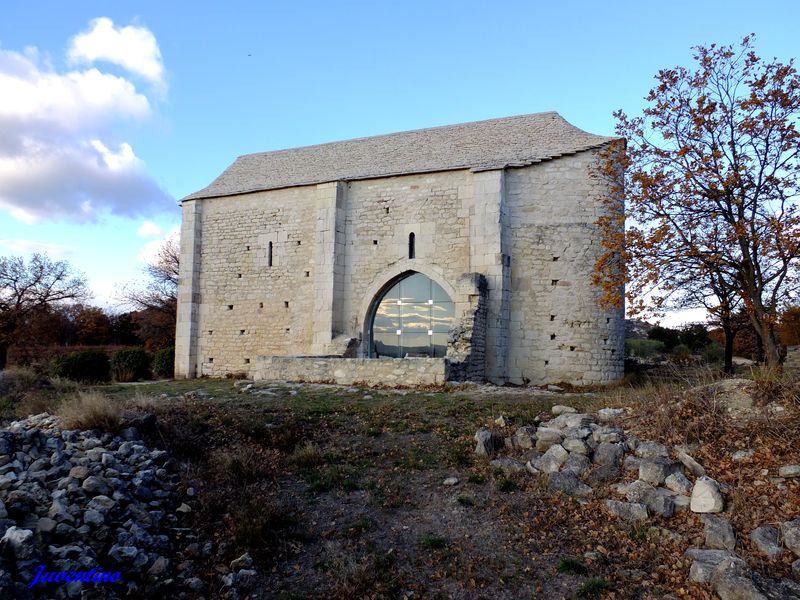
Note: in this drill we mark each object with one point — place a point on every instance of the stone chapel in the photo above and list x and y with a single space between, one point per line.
455 253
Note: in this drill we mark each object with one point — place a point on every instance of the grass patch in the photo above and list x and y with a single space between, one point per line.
239 464
506 484
307 456
90 410
570 565
358 527
476 478
465 500
594 588
433 542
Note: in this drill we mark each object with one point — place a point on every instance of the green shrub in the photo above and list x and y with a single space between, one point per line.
670 337
713 353
87 366
164 363
643 348
130 364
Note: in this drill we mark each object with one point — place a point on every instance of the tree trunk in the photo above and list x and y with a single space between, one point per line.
730 334
769 348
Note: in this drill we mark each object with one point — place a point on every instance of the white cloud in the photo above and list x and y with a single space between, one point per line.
133 48
150 250
26 247
149 229
57 156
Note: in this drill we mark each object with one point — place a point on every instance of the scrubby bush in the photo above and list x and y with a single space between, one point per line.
643 348
669 337
681 355
90 410
714 353
87 366
164 362
695 337
130 364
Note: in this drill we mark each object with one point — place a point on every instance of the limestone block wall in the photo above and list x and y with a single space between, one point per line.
256 278
295 271
557 330
380 215
348 371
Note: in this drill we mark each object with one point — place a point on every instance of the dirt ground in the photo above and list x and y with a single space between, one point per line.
338 492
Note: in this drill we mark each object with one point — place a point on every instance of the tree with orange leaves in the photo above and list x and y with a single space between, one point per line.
710 176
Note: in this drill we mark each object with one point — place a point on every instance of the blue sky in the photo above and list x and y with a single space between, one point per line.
155 99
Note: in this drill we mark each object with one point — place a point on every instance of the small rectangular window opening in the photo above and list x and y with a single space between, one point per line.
210 360
241 332
555 258
287 330
547 362
386 208
552 317
210 331
298 242
238 275
260 305
552 336
572 348
285 304
374 242
230 306
247 361
247 248
554 282
308 273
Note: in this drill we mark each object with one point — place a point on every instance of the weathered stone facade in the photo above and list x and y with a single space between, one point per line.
270 269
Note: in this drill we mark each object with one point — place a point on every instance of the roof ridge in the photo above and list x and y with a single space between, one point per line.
487 144
408 131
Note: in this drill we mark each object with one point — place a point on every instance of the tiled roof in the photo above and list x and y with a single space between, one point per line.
481 145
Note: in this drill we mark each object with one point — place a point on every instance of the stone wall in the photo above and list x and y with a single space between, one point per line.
528 232
348 371
250 305
557 329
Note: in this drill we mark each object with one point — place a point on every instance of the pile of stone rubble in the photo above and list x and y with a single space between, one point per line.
573 452
93 502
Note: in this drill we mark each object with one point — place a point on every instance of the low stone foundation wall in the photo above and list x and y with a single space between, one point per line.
370 371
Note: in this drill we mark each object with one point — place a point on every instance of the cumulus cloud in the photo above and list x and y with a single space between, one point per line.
26 247
133 48
58 157
149 229
149 252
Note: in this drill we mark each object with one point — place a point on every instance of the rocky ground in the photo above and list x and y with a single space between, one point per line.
228 489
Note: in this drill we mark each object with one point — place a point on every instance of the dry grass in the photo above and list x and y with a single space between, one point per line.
90 410
306 456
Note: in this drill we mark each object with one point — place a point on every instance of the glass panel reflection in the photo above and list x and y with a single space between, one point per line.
439 344
425 307
415 344
416 316
416 288
386 345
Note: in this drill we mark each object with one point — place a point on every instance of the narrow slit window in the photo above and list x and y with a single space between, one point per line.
412 251
285 304
260 305
552 336
308 273
269 255
552 317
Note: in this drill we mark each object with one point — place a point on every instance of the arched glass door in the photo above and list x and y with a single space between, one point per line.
412 320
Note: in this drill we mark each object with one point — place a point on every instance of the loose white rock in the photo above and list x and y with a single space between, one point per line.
706 497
